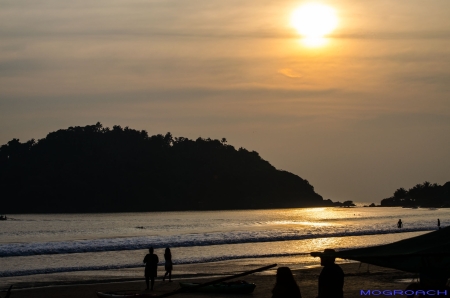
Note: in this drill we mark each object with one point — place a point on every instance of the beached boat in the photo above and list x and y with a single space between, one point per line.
240 287
8 293
124 294
237 287
427 255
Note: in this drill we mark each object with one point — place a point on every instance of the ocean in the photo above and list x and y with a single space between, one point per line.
44 245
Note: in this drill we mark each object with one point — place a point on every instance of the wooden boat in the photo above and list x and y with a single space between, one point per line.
220 280
8 293
192 287
124 294
237 287
428 255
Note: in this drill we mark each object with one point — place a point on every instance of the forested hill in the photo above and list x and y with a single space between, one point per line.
423 195
96 169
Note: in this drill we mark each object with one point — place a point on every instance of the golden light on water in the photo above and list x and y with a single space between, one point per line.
303 223
314 21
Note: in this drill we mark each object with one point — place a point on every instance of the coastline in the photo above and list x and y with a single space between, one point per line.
38 263
357 277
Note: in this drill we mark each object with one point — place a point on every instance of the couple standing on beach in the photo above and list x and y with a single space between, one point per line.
151 261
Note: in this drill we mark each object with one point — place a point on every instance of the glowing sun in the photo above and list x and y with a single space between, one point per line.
314 21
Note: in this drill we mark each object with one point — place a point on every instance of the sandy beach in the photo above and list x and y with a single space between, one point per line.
357 277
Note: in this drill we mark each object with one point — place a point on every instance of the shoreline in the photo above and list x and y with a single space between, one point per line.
357 277
359 205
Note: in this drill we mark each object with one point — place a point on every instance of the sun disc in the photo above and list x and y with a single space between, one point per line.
314 20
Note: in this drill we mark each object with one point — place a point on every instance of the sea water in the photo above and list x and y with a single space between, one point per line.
32 244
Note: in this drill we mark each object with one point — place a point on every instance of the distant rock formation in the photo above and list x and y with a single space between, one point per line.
346 204
96 169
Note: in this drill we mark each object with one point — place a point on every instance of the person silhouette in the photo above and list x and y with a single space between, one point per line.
285 286
151 267
399 224
439 224
331 278
169 265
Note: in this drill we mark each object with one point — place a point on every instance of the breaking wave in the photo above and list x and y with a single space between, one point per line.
188 240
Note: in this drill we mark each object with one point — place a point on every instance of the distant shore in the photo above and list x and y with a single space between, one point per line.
357 277
10 216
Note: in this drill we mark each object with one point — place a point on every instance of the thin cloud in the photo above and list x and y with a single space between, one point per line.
289 73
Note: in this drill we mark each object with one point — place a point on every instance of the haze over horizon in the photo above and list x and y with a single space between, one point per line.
358 116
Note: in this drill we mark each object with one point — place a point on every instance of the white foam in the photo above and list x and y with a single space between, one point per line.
188 240
9 273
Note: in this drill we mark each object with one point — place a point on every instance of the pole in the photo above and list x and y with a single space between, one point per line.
182 290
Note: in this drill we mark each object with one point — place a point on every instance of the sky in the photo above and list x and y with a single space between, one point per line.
359 116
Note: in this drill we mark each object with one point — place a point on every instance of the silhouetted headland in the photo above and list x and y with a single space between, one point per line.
97 169
421 195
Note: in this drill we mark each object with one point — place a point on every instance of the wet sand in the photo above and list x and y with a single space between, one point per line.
357 278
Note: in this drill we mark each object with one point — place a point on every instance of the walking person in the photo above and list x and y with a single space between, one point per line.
439 224
399 224
151 267
169 265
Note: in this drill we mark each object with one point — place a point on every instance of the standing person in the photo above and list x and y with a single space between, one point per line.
151 266
439 224
285 287
331 278
169 265
399 224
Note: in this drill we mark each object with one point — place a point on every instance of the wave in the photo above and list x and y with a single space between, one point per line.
189 240
10 273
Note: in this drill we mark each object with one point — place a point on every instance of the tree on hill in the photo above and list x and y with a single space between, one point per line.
98 169
424 195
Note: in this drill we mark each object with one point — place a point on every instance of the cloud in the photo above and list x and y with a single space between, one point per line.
15 67
289 73
435 80
394 35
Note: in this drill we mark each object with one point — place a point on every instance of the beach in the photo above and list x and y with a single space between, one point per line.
78 255
357 277
38 244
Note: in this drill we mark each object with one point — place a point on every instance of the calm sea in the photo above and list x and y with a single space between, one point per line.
33 244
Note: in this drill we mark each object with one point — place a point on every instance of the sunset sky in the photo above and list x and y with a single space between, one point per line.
363 113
